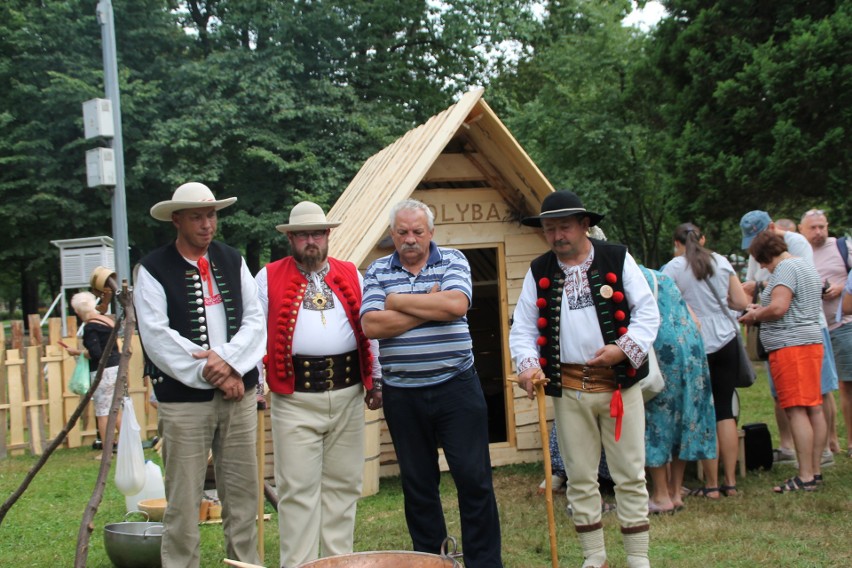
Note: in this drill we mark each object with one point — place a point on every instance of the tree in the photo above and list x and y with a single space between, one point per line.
572 102
757 99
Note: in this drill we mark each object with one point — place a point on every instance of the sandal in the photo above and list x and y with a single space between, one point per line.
795 484
818 478
704 492
728 490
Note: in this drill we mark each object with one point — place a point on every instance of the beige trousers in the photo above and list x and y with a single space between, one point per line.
319 460
583 424
189 430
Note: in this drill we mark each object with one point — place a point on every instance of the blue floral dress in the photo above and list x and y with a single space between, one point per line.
680 421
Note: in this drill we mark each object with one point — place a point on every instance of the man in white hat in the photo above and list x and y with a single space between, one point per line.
584 322
319 364
203 334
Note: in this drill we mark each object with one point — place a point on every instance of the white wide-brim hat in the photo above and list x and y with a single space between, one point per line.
306 216
192 195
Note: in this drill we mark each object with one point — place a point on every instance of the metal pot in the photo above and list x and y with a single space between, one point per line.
134 545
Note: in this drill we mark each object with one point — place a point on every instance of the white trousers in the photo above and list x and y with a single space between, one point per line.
318 439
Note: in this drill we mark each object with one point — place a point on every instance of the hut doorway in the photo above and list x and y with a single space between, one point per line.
486 322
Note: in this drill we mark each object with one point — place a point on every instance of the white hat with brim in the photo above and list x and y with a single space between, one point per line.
306 216
192 195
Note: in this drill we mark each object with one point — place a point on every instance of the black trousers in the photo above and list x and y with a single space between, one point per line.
453 415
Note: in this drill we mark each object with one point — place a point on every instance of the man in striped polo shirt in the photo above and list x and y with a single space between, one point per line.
415 303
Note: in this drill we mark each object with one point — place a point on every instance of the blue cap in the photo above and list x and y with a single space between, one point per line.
753 223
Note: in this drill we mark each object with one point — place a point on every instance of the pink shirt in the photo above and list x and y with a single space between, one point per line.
831 267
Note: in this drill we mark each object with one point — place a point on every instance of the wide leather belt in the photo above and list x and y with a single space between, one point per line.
588 379
320 374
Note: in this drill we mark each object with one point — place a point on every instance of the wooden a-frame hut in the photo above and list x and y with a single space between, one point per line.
469 169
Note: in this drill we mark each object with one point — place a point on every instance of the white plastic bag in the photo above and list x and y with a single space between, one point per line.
154 487
130 461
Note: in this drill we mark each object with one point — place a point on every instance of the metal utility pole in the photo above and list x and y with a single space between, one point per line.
119 203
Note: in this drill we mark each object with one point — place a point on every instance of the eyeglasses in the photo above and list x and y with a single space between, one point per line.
303 235
810 212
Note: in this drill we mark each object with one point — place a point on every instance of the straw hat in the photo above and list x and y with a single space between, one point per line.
190 195
306 216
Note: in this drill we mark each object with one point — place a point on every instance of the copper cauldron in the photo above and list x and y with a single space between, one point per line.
390 559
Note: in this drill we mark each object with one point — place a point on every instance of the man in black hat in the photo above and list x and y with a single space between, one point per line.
584 323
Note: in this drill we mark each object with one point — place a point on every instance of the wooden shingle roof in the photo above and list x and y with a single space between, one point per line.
464 142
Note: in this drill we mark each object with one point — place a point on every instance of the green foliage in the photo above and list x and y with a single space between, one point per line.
757 104
725 107
571 103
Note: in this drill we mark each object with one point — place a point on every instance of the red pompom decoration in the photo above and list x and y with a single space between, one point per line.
541 323
541 341
618 297
631 372
611 277
540 303
622 331
338 278
544 283
619 315
542 361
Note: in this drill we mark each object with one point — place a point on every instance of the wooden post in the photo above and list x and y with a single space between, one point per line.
261 457
125 298
548 471
35 399
4 402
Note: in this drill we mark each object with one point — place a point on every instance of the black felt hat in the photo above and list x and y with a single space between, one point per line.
562 203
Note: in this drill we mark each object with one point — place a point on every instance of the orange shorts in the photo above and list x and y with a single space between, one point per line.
796 372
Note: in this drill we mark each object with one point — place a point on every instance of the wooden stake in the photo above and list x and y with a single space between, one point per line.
261 456
548 471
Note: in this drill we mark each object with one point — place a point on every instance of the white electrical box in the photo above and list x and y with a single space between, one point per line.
100 167
97 118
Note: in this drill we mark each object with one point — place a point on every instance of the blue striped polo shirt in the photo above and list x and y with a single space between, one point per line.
434 351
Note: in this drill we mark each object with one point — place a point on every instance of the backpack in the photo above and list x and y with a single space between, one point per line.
758 446
843 249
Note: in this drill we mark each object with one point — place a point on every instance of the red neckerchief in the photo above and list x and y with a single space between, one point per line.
204 269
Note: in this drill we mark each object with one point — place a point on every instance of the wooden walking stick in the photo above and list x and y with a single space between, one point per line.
548 470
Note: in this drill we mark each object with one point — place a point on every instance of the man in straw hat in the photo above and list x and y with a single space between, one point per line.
584 322
318 365
203 333
415 303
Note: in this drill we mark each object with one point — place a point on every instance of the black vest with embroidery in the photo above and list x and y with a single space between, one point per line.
181 282
611 307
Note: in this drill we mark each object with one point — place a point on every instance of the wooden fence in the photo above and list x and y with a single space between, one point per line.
35 402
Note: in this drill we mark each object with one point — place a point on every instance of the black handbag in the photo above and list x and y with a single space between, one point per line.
745 371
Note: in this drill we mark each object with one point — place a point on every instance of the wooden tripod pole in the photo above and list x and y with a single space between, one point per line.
548 471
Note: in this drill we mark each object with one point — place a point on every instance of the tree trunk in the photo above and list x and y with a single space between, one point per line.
29 292
253 249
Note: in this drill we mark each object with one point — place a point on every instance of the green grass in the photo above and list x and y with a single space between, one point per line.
756 528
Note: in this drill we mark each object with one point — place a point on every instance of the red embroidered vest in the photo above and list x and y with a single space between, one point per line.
286 291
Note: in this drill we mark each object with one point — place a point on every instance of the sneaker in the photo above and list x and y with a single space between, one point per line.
783 456
827 459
